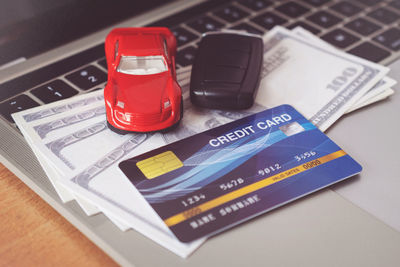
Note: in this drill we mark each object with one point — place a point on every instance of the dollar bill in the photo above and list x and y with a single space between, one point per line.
59 107
45 128
379 97
381 88
79 101
65 193
322 84
56 146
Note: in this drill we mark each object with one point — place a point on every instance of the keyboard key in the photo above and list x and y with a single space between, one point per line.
384 15
395 3
205 24
369 2
231 13
340 38
103 63
248 28
185 57
87 77
305 26
187 14
292 9
362 26
369 52
324 19
16 104
183 36
53 91
255 5
346 8
389 39
268 20
316 2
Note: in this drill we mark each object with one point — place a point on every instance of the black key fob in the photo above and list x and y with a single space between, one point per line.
226 70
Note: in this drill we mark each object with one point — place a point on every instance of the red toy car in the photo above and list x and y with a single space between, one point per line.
142 94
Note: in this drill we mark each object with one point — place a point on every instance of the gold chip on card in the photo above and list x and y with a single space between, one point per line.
159 164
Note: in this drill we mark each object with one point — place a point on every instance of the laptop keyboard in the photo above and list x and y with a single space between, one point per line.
366 28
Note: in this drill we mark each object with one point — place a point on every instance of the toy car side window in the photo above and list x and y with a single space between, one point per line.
166 48
116 50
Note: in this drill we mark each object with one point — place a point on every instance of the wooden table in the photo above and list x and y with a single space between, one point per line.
32 233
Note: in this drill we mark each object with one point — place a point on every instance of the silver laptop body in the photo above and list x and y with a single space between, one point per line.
270 239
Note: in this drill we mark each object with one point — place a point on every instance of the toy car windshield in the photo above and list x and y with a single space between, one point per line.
142 65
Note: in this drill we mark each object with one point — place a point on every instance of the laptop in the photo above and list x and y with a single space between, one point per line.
44 48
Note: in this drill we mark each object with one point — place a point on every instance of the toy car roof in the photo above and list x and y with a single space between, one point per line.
138 41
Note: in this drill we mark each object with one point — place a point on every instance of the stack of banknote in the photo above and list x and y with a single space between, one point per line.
80 155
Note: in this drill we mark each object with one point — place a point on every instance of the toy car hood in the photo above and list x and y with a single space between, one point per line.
139 92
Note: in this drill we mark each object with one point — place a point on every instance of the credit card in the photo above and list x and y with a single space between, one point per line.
219 178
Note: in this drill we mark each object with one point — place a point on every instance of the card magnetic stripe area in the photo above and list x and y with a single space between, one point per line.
187 214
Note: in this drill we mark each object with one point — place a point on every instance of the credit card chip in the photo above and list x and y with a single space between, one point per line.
159 164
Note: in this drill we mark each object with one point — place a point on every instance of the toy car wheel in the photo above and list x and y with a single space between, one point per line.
116 130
